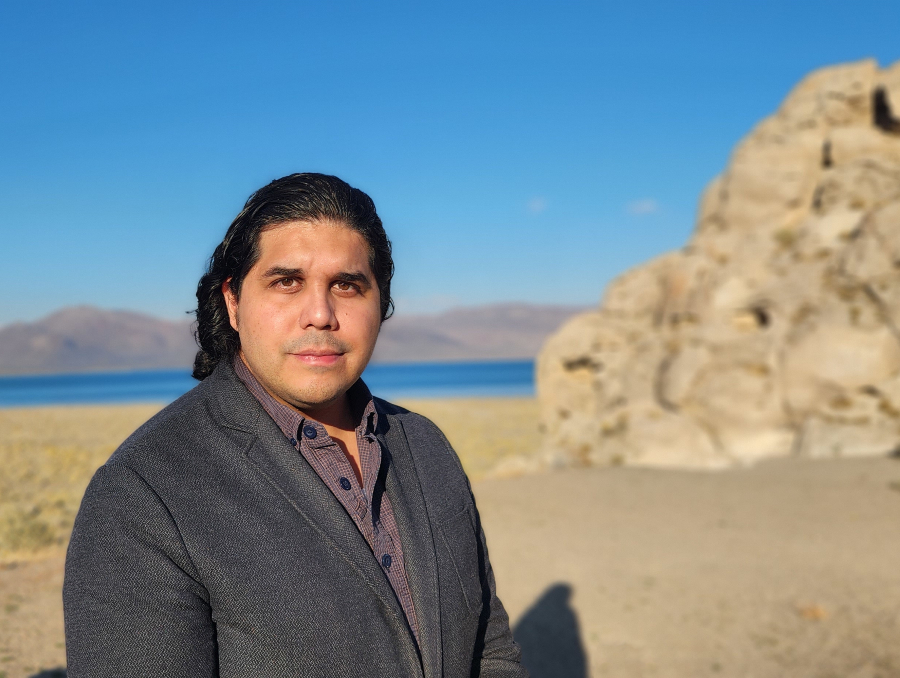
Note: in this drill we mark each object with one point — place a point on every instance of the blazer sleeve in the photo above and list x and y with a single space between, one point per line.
132 598
496 653
498 656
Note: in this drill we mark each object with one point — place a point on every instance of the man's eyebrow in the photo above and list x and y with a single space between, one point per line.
344 276
282 272
353 277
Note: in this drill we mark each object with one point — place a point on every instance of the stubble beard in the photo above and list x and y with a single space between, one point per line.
316 387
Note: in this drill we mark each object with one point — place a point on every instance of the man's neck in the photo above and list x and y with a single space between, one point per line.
340 424
334 416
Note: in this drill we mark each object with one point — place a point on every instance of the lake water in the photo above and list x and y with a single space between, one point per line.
416 380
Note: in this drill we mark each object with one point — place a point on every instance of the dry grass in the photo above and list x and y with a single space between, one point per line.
492 436
48 455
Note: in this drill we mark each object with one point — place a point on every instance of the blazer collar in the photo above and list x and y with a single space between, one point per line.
229 401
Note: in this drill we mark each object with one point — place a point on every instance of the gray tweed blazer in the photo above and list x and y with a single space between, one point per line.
206 546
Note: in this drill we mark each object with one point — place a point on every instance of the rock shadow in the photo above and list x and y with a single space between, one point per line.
881 112
50 673
550 638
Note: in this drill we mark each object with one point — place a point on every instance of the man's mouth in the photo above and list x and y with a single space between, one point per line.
318 357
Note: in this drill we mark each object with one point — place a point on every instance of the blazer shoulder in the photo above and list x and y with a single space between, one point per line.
387 407
172 417
440 469
420 428
182 434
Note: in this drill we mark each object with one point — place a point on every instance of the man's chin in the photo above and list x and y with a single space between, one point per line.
315 396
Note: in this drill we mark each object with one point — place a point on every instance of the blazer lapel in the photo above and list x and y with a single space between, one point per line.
299 484
411 513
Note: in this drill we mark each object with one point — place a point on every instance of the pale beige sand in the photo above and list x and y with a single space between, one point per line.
791 568
787 569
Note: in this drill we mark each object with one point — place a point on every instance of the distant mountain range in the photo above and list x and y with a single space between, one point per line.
88 339
495 332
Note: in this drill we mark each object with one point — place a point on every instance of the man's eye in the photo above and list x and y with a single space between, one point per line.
345 286
286 282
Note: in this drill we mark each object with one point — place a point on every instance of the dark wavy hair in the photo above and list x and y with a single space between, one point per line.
298 197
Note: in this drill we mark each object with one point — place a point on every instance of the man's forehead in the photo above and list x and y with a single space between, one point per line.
326 240
308 225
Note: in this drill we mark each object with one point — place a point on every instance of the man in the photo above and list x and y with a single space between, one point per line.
277 520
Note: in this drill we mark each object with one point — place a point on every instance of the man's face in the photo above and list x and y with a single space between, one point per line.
309 312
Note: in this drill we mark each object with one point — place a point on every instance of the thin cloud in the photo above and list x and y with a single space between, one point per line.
537 205
642 206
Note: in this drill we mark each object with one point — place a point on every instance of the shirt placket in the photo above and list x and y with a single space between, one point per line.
391 558
370 461
332 463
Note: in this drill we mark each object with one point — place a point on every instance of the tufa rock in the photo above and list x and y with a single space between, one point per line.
776 330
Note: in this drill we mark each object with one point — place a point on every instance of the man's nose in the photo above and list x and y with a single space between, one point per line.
318 310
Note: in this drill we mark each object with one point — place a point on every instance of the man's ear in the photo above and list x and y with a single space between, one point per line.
230 303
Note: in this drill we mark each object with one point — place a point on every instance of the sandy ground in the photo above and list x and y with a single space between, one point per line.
791 568
786 569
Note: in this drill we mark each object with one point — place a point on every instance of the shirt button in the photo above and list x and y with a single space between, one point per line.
345 483
386 560
293 441
309 432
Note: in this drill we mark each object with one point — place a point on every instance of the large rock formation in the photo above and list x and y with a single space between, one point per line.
776 330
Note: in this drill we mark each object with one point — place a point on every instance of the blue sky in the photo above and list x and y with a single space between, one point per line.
525 151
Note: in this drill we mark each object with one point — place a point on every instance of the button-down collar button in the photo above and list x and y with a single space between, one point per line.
386 561
310 432
293 441
345 483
